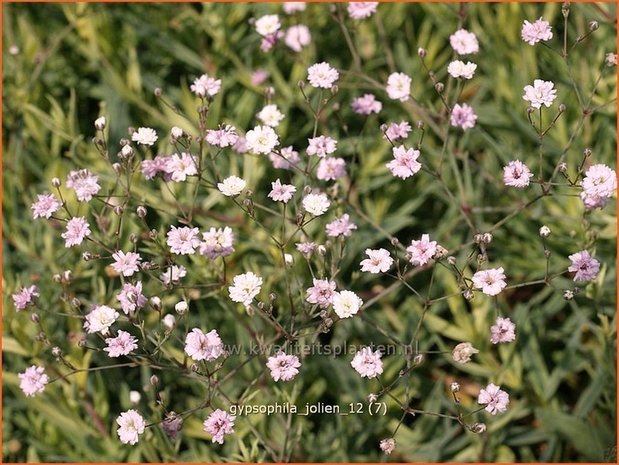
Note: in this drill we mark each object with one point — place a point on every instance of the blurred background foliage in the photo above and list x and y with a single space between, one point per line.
75 62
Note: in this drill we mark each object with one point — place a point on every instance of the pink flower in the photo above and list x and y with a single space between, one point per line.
322 75
293 7
131 426
245 287
156 166
321 146
205 86
269 41
25 297
321 293
267 25
533 33
217 243
462 116
421 251
258 76
494 398
503 330
201 346
516 174
396 131
366 105
599 185
45 206
126 263
33 380
181 166
131 297
341 227
387 445
584 265
77 230
378 261
283 367
490 281
285 159
183 241
331 168
399 86
281 192
306 248
540 93
123 344
298 37
464 42
218 424
224 136
84 183
361 10
367 363
404 164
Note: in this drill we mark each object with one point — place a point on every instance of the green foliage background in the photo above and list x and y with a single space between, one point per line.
79 61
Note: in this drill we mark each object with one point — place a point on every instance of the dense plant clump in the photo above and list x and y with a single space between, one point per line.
320 232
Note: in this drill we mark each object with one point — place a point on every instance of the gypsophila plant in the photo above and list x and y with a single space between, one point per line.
310 232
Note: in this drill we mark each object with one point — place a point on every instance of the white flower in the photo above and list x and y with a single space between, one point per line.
459 69
176 132
231 186
270 115
131 426
144 136
540 93
100 319
206 85
322 75
464 42
246 286
378 261
169 322
399 86
346 303
462 352
316 204
261 139
267 25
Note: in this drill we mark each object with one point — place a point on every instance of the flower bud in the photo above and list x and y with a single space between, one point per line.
372 398
568 294
158 92
117 168
126 151
154 380
56 352
118 210
562 167
56 183
486 238
454 387
562 108
100 123
141 211
587 152
35 318
593 26
181 307
468 294
155 302
134 397
418 359
322 250
169 322
451 260
439 86
172 424
395 242
544 231
422 52
478 428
